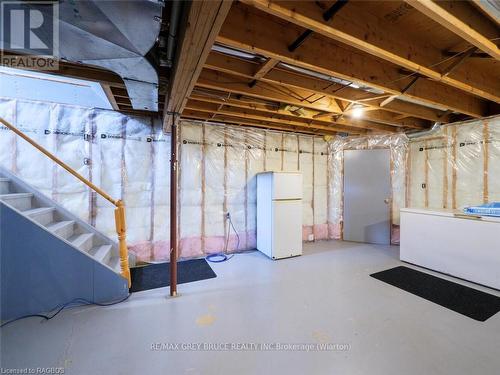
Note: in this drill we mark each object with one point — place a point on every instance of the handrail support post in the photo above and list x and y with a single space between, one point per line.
121 231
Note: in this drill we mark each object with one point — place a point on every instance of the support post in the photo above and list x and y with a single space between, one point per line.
173 206
121 231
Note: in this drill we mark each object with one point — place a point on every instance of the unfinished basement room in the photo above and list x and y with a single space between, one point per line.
250 187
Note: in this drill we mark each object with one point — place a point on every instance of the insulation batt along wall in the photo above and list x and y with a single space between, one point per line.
456 167
217 175
129 158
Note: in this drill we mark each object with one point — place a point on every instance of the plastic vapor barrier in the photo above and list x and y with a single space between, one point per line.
398 147
217 176
126 156
456 167
129 157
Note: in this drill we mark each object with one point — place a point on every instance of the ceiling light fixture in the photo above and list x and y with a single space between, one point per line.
357 112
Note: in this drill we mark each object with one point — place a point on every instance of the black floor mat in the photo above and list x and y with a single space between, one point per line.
470 302
158 275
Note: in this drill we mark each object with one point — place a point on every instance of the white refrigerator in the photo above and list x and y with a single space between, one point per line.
279 214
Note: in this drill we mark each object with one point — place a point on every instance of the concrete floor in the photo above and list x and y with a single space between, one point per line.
324 296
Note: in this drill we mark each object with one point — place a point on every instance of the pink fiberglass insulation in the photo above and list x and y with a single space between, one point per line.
129 158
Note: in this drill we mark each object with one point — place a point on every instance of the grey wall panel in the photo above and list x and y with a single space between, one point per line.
39 271
367 183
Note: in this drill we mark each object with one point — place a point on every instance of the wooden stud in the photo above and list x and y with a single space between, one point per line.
445 173
454 171
486 156
426 174
203 187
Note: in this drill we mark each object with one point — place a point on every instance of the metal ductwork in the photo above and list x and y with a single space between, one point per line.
175 16
490 8
114 35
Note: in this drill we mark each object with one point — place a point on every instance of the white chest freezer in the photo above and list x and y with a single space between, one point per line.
279 214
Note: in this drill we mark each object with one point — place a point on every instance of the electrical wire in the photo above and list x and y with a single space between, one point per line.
222 256
59 308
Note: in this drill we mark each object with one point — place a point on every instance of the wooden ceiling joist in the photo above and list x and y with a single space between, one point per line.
204 20
460 26
381 39
252 30
199 115
232 65
278 114
225 82
253 114
280 77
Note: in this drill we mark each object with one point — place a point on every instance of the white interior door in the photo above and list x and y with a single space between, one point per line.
367 192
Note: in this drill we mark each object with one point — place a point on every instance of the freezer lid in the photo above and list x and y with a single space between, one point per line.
287 186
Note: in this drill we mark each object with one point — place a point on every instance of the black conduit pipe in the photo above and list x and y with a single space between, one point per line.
175 15
327 16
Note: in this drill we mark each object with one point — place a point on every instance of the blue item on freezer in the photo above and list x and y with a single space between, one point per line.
488 209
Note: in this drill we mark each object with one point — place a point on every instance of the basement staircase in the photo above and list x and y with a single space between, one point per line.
49 256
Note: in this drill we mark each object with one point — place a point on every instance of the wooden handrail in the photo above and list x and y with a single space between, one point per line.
58 161
119 210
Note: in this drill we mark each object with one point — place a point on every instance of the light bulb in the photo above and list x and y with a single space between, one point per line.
357 112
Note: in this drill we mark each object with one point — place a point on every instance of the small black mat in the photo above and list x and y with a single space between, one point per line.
470 302
158 275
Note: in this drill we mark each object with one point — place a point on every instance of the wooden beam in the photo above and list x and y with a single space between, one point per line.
270 39
199 115
202 24
381 39
308 86
443 17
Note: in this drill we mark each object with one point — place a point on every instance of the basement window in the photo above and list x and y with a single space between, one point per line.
24 84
